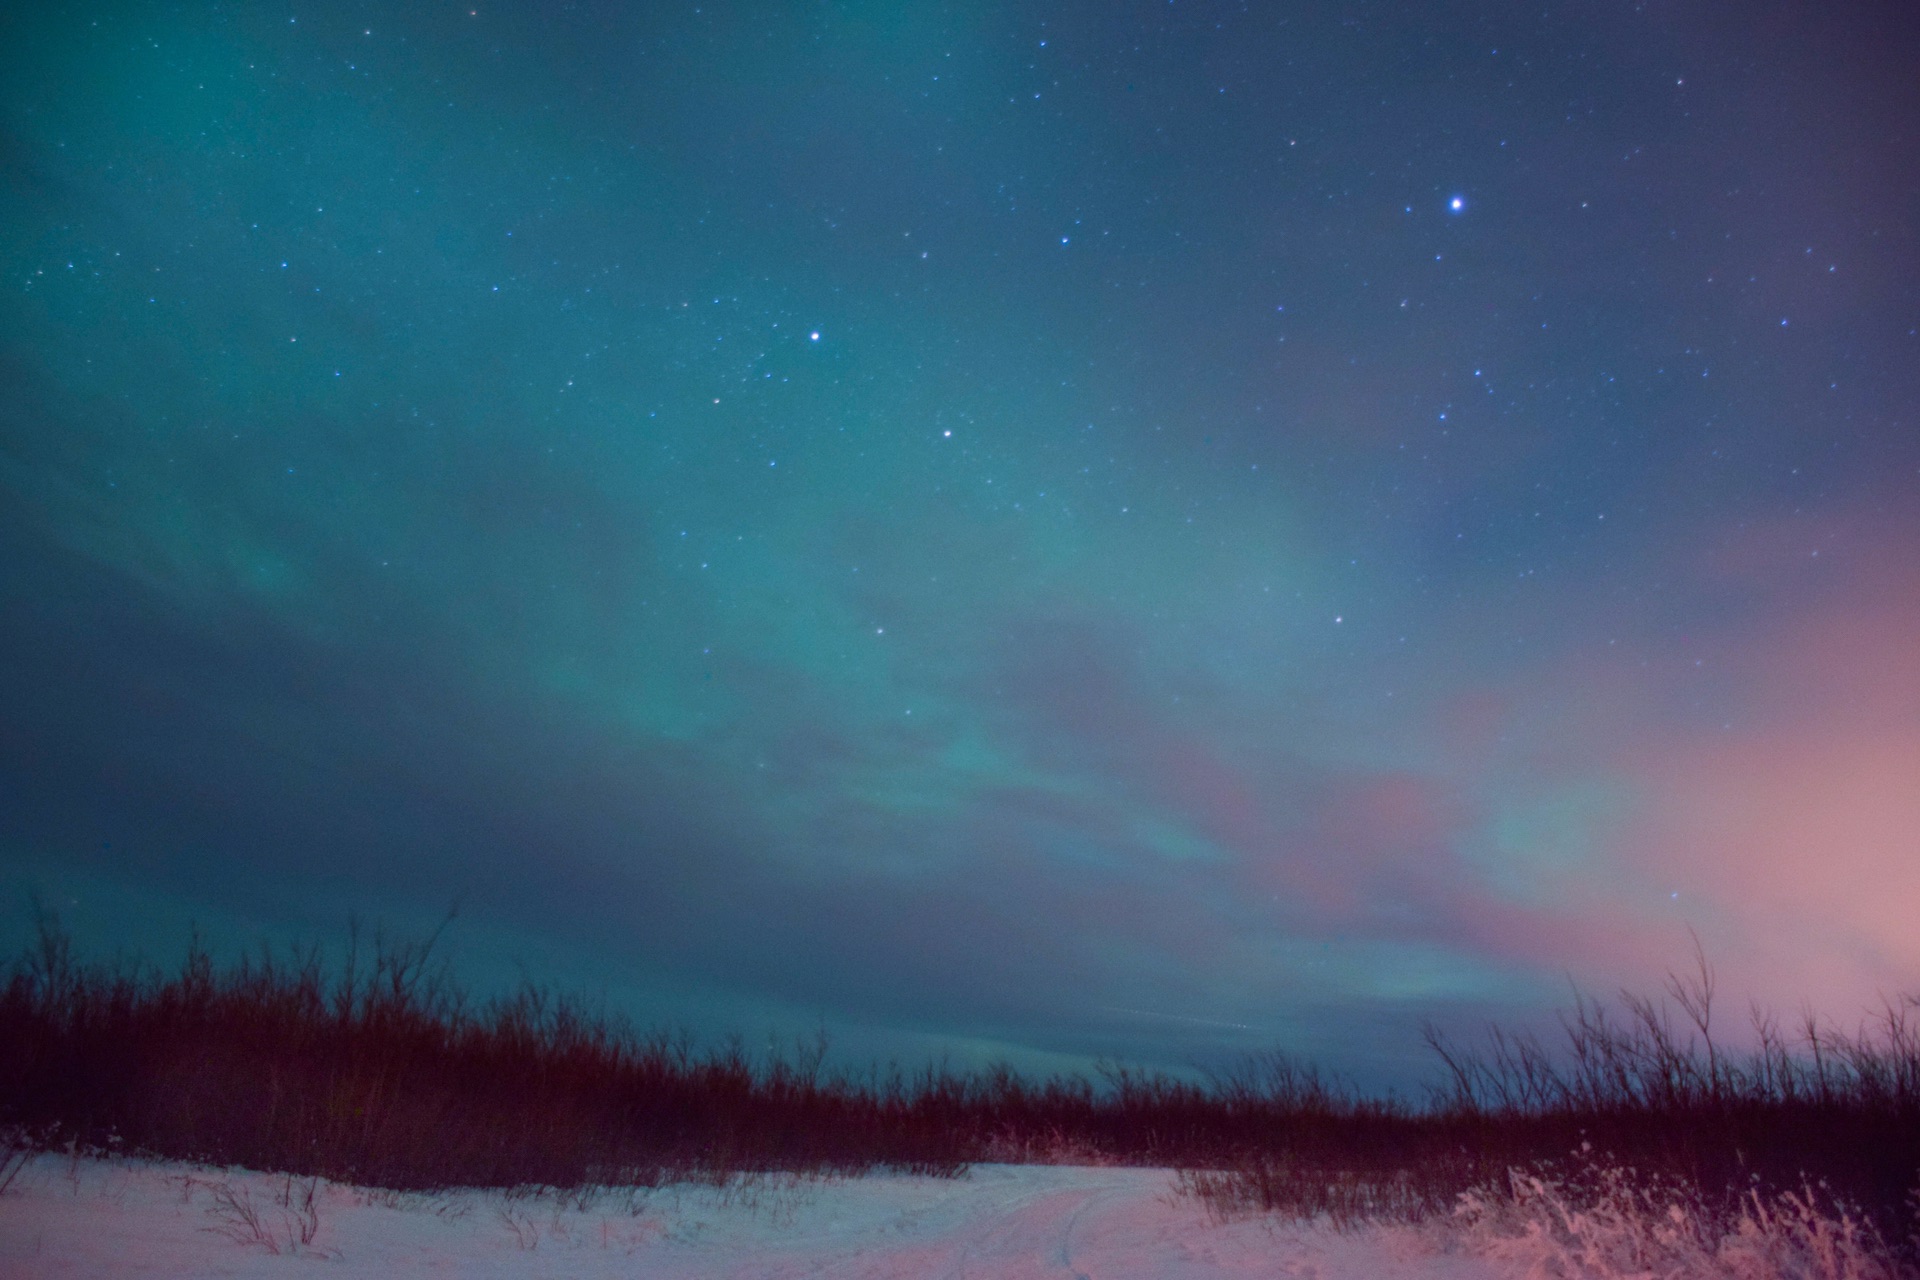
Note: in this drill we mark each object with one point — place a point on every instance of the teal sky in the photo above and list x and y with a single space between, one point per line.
1038 531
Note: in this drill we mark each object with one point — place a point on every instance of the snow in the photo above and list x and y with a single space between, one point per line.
82 1217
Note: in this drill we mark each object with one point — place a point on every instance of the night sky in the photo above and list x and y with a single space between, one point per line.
1030 530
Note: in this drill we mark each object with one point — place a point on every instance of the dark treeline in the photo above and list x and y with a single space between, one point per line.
378 1070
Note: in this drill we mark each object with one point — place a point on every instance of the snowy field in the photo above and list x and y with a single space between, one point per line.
63 1217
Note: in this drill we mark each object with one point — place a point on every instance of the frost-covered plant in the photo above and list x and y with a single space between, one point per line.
1794 1236
1617 1225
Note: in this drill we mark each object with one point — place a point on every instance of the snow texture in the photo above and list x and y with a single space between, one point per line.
81 1217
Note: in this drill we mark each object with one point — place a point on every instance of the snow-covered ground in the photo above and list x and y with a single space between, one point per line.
65 1217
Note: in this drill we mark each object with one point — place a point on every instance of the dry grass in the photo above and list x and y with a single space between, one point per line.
1621 1224
1799 1157
15 1151
376 1070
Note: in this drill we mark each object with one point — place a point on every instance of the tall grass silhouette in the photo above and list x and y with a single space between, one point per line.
378 1069
1640 1143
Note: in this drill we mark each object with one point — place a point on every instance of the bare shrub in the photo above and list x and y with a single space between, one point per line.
1731 1141
288 1224
1343 1199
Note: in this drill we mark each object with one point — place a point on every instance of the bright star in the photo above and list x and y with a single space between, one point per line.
1457 203
814 336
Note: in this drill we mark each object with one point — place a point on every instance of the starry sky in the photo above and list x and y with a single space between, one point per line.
1023 531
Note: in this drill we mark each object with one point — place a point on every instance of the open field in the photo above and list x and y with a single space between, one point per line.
131 1219
79 1216
373 1087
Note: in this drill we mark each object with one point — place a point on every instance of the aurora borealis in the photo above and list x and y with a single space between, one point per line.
1033 531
